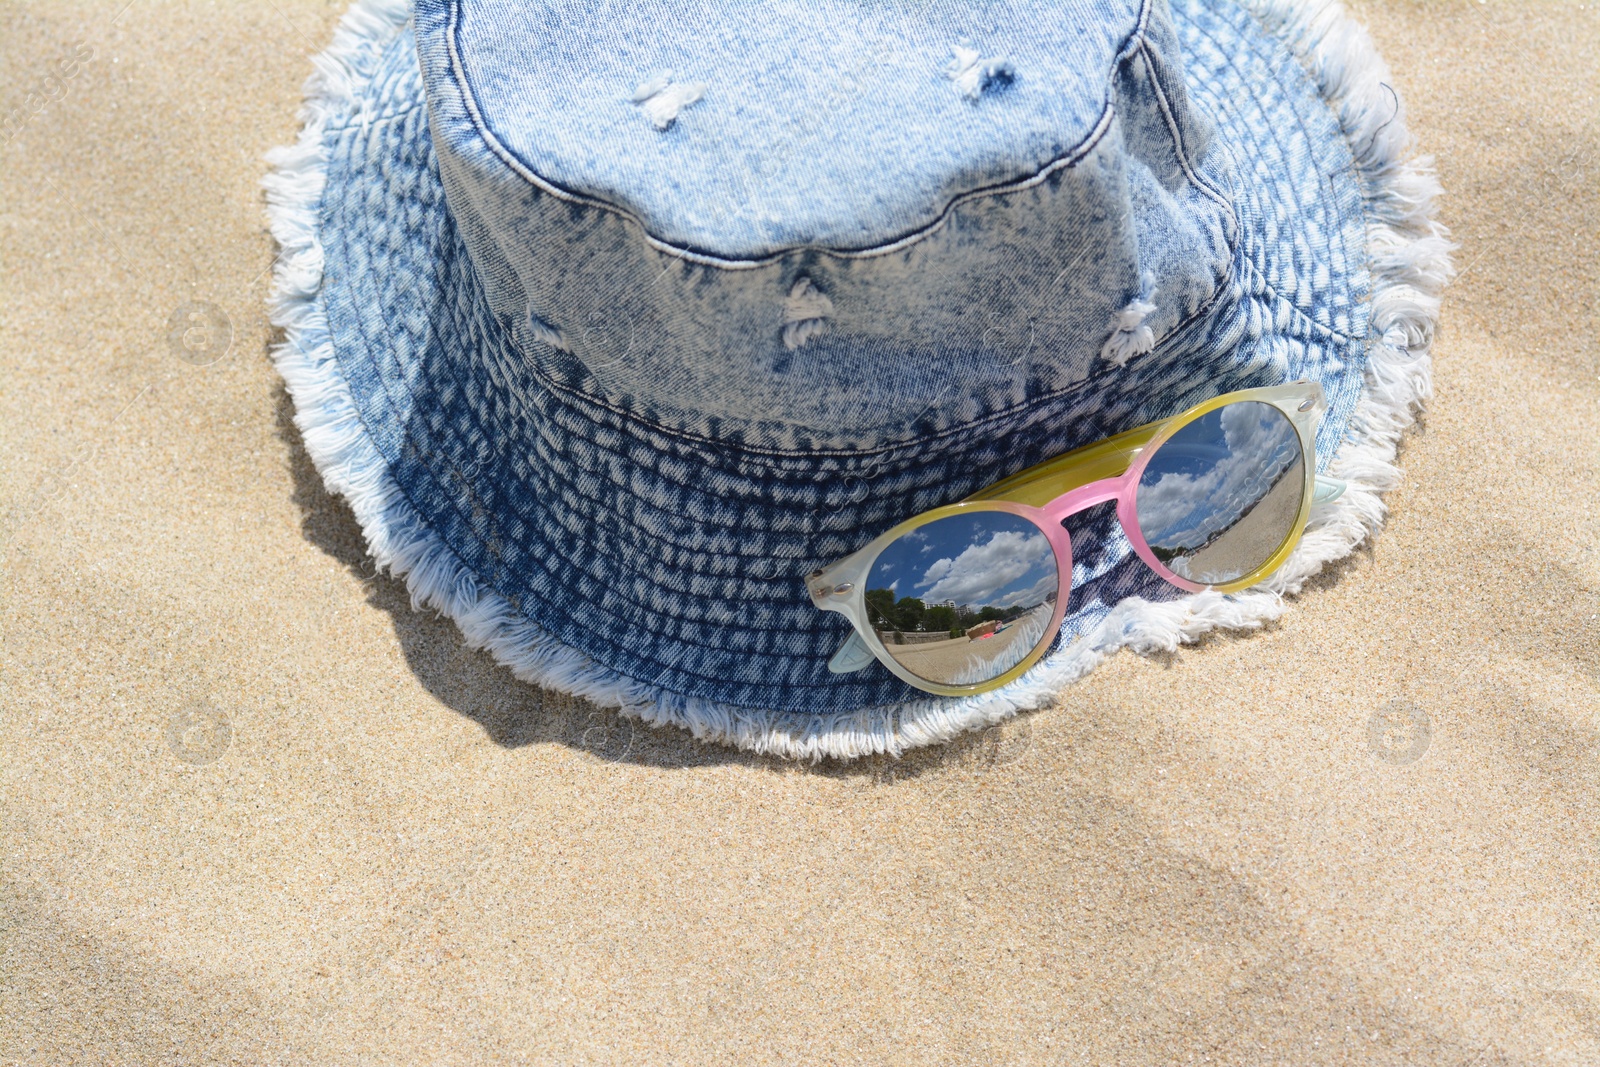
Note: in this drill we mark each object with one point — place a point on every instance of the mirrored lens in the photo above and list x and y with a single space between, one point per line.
964 599
1222 494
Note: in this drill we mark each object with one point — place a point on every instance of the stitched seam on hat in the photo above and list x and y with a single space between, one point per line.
646 616
1299 313
584 399
1068 159
1178 147
1136 39
1349 270
374 120
652 618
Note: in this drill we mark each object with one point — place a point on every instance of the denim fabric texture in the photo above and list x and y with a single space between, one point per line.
565 329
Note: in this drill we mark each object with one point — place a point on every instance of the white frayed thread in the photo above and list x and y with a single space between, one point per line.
806 312
1131 335
974 74
662 100
1408 259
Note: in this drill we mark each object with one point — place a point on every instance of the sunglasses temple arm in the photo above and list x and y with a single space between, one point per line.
852 655
1327 490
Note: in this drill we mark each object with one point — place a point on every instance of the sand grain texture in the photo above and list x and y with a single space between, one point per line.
1366 835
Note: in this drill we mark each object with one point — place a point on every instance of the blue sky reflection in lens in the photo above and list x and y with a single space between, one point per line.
1221 495
963 599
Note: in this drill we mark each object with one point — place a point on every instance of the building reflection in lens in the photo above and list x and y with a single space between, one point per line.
965 598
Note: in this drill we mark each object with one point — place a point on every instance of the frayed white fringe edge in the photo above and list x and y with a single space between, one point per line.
1409 261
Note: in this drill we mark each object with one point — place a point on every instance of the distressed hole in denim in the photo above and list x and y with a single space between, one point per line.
662 100
975 75
544 332
1130 334
805 313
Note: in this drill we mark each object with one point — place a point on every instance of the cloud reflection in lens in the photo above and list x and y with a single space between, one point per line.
965 598
1222 494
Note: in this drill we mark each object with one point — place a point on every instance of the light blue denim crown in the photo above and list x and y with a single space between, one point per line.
845 216
613 321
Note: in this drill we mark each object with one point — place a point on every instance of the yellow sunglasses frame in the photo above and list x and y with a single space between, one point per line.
1049 492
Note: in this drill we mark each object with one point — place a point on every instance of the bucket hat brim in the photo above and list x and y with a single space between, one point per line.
1336 276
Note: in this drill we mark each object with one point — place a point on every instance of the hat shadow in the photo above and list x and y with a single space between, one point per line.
514 713
511 712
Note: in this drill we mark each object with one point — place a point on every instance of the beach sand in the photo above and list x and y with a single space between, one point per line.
1255 536
964 660
253 809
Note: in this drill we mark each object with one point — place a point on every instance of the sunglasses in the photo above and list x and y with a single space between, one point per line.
966 597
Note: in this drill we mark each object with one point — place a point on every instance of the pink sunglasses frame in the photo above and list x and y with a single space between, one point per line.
1054 490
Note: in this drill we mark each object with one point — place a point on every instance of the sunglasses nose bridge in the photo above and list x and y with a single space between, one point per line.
1085 496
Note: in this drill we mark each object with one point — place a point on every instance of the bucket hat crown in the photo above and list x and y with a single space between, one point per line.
614 322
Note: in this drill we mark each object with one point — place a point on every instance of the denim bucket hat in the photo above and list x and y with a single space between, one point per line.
614 321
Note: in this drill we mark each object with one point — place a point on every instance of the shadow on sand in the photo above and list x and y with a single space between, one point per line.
513 712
